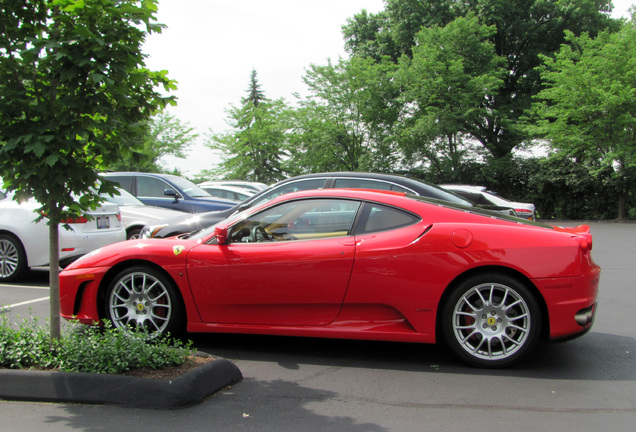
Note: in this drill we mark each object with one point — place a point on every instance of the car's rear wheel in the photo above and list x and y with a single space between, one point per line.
142 298
491 320
13 261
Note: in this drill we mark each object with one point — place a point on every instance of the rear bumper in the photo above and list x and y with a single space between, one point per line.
571 304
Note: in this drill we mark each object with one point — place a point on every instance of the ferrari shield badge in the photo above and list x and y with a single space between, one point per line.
177 249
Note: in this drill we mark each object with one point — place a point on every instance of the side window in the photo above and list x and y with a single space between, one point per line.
376 217
151 187
298 220
296 186
125 182
353 183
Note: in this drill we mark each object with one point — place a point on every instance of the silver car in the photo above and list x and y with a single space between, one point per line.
25 243
480 195
135 214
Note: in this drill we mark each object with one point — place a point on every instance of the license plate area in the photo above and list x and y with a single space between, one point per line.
103 222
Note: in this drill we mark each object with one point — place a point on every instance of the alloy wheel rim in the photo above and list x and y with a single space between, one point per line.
9 258
491 321
140 301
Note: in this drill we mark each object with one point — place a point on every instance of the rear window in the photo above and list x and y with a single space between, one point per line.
354 183
126 182
378 217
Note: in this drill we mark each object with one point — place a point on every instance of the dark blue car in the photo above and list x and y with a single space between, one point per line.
168 191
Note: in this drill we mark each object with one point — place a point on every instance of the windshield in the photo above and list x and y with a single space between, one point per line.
480 210
208 230
188 187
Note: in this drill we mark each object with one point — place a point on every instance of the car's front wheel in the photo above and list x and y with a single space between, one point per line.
13 260
133 233
144 298
491 320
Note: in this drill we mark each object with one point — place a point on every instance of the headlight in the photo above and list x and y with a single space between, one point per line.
149 231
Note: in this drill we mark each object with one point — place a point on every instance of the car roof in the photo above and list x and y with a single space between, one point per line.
227 187
137 173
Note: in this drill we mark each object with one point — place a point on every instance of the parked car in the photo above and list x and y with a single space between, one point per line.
25 243
253 186
135 214
480 195
233 193
356 180
168 191
354 264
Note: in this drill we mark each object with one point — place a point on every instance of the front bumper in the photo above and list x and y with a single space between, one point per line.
79 291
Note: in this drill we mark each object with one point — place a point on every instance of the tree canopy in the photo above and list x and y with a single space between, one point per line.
163 135
587 111
73 88
342 125
522 30
256 147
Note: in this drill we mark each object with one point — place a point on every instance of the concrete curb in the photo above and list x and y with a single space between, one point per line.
133 392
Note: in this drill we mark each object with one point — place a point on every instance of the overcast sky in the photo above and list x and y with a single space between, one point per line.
211 46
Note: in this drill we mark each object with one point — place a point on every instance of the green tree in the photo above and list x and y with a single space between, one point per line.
345 122
587 109
255 150
163 135
72 83
524 29
444 92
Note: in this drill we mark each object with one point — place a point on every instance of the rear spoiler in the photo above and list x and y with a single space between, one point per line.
581 232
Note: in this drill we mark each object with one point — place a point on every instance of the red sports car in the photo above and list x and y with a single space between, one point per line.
351 264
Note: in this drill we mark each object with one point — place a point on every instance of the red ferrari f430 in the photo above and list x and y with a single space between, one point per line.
354 264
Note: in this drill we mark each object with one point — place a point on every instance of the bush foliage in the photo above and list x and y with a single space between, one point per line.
90 349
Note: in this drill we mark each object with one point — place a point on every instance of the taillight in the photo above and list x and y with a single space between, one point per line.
75 220
585 242
119 217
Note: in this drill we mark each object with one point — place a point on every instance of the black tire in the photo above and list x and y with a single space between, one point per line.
142 297
133 233
13 259
491 320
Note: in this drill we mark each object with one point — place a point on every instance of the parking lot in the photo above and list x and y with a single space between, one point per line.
300 384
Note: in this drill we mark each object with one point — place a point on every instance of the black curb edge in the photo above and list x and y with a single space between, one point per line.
120 390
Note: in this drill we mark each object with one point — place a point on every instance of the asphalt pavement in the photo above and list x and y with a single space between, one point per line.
301 384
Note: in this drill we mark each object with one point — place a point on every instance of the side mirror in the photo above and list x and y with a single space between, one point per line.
171 193
221 235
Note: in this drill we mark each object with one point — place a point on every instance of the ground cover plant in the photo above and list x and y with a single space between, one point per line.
103 349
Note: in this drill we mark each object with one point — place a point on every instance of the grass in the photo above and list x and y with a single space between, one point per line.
90 349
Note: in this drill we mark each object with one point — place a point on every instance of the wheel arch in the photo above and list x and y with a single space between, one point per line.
114 271
14 235
545 321
133 227
19 272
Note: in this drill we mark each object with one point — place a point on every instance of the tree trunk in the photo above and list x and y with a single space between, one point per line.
622 212
54 281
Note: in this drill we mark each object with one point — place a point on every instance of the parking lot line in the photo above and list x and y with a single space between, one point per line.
24 287
24 303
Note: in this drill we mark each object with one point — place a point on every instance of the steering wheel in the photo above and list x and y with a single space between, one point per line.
259 229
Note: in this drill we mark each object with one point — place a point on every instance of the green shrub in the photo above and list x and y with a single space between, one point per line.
86 349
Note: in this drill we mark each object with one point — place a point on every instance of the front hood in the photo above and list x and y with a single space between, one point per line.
160 251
